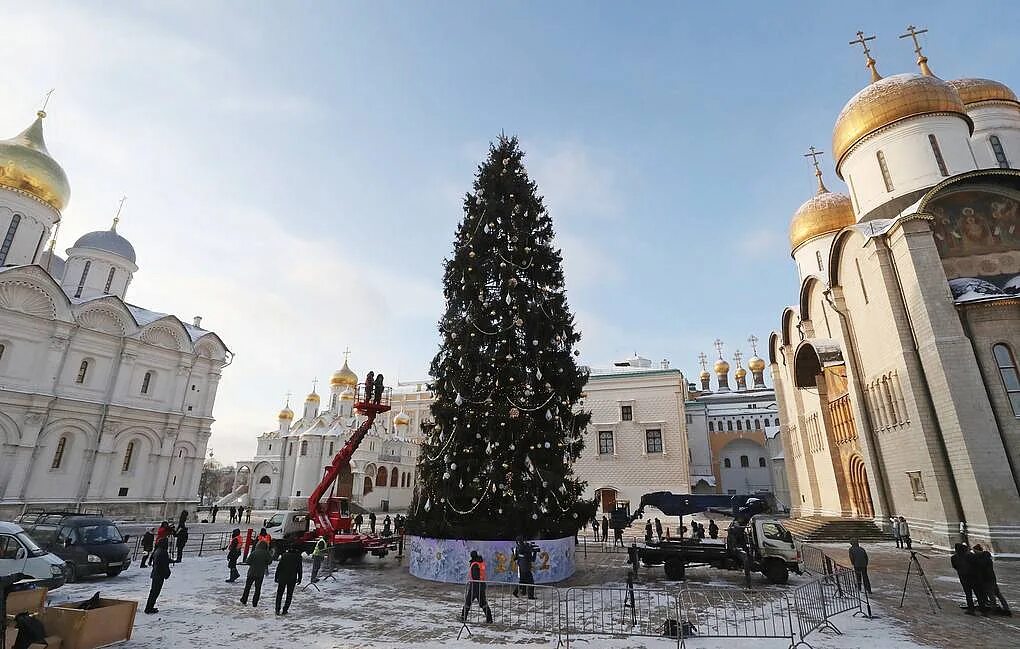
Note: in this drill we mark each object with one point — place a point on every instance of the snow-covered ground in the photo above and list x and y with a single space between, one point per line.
372 604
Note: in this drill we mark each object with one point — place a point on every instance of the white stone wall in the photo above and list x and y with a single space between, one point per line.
37 218
1002 121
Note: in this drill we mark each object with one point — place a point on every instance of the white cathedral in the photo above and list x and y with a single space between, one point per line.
103 404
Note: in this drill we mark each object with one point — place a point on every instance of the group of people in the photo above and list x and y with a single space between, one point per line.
901 532
156 552
525 554
976 571
236 513
390 526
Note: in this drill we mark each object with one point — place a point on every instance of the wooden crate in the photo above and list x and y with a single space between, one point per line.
111 622
25 601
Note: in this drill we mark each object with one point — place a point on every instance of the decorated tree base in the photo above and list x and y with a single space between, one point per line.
446 560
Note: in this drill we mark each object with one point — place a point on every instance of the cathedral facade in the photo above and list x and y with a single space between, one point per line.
896 370
103 404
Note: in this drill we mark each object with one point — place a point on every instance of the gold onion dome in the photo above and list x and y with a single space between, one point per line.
722 367
26 166
344 376
286 413
401 419
823 213
889 100
976 91
312 397
756 364
347 395
704 374
740 373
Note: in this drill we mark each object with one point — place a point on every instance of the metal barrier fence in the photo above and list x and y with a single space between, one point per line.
731 613
198 544
812 559
621 611
818 601
533 608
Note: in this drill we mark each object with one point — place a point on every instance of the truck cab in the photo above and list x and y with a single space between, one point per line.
287 525
774 552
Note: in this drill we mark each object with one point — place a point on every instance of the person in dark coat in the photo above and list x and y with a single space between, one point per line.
476 587
386 525
369 386
240 513
713 529
182 540
595 528
371 522
377 397
215 510
160 573
658 529
182 519
258 564
963 564
985 575
233 554
148 541
525 554
358 520
247 515
605 528
233 514
648 532
859 560
288 574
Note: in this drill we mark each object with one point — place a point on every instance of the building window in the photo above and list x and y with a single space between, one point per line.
726 463
83 372
290 448
627 413
122 492
265 480
304 447
1000 156
729 424
297 493
744 461
818 258
740 425
885 171
1006 362
653 440
3 348
766 422
761 462
394 476
938 154
380 477
58 455
84 276
331 448
605 442
146 382
128 454
757 424
5 247
109 281
711 426
777 421
916 485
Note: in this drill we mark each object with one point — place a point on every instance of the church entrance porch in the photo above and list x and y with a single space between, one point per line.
607 499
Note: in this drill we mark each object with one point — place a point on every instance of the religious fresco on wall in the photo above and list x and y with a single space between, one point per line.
975 222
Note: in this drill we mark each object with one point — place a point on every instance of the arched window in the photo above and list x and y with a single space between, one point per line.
126 466
180 453
109 280
938 155
264 480
304 447
84 275
740 425
726 462
394 477
368 485
711 426
1000 153
8 241
761 462
146 382
3 348
744 461
777 421
757 424
83 372
729 424
818 258
886 176
58 455
380 477
1006 362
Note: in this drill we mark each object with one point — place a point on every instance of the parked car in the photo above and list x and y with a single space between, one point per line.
88 543
19 554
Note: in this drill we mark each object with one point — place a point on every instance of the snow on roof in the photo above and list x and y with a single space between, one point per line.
146 316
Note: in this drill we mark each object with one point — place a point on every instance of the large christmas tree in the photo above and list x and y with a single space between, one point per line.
508 421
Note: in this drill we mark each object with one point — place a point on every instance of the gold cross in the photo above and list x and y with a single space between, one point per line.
922 60
347 353
120 207
813 154
288 400
703 361
315 384
862 40
754 344
737 357
718 344
45 103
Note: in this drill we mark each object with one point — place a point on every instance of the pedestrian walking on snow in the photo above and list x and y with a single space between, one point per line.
233 554
963 563
160 573
215 510
148 541
371 522
240 511
182 519
605 528
525 554
905 532
247 515
233 514
318 554
658 529
595 528
358 520
386 524
989 587
258 564
182 540
895 523
476 588
288 575
859 560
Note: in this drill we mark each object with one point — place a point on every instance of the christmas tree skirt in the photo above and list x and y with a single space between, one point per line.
447 560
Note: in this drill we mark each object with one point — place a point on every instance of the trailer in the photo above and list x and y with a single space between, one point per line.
755 542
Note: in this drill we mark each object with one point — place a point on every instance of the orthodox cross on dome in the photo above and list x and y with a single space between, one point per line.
347 353
116 218
46 101
754 344
813 154
922 60
718 344
287 397
862 40
315 384
737 357
703 361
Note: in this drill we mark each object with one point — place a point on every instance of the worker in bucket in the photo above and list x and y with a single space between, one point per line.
476 587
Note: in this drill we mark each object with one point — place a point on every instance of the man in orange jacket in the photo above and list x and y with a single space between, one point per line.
476 587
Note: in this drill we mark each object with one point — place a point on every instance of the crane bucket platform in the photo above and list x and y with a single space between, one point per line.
372 399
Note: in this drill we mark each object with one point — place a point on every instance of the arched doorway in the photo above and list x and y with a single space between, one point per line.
860 492
607 499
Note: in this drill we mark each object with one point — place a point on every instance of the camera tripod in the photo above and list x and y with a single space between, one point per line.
914 564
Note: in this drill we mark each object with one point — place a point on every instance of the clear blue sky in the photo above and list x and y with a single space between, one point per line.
274 152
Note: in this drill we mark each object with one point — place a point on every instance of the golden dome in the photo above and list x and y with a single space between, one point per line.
704 375
26 166
822 213
889 100
756 364
347 395
286 413
722 367
976 91
312 397
401 419
740 373
344 376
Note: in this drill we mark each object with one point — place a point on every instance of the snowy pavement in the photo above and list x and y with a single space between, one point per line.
377 604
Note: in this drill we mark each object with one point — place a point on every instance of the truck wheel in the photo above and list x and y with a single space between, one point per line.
777 572
675 570
113 572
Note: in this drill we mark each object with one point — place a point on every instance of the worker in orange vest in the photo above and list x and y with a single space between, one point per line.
476 587
265 536
233 554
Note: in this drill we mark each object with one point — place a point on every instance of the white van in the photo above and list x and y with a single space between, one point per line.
19 554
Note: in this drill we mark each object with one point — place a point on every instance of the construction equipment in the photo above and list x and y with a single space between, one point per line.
754 541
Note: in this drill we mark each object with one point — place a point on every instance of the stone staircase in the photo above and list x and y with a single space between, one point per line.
825 529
